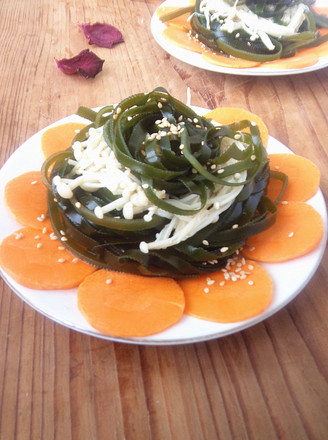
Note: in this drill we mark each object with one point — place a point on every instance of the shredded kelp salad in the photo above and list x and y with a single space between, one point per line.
150 187
257 30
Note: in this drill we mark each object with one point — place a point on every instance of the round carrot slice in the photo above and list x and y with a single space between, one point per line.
226 61
298 230
39 261
229 115
122 304
59 138
181 38
180 21
241 291
303 177
26 198
298 61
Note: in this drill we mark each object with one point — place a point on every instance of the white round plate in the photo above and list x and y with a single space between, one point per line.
61 305
196 60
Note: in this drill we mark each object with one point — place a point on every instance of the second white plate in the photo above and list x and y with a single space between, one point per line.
196 60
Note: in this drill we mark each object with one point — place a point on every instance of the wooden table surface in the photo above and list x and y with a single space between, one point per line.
267 382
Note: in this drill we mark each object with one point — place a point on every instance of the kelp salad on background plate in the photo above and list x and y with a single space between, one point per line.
130 127
245 37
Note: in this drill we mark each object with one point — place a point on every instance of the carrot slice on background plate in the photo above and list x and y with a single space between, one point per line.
303 177
229 115
180 21
122 304
243 291
226 61
298 230
181 38
59 137
298 61
35 260
26 198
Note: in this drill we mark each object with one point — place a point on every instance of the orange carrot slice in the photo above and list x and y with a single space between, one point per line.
319 51
229 115
225 61
298 230
122 304
37 261
320 10
298 61
180 21
26 198
243 291
303 177
181 38
59 138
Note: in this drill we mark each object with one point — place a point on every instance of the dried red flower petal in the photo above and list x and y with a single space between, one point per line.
101 34
86 63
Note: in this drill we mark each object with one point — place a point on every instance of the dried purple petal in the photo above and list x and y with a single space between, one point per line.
101 34
86 63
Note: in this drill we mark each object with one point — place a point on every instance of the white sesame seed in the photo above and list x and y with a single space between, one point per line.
251 283
221 283
291 234
34 182
44 230
109 281
284 202
37 237
224 249
159 105
61 248
253 157
78 205
61 260
206 289
209 281
39 245
75 260
63 239
221 170
235 226
205 242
